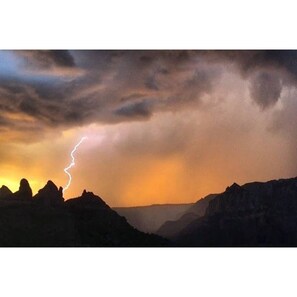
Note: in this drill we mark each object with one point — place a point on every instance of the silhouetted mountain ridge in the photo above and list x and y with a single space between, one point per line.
47 220
255 214
87 199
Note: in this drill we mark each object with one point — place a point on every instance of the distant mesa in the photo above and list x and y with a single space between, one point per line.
50 195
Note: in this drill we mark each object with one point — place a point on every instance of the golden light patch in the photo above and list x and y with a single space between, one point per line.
155 184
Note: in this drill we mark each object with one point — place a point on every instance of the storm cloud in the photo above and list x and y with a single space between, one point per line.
64 89
163 126
265 89
47 58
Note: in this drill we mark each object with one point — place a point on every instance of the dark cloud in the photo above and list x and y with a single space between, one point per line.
151 83
69 88
267 70
168 77
140 109
47 58
249 61
265 89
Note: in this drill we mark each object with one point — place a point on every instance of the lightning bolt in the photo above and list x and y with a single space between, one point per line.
72 163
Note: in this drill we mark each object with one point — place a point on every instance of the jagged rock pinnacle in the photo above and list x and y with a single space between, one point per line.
50 194
24 192
5 192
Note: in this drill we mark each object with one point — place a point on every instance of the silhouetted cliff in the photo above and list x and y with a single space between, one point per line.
4 192
24 192
50 195
255 214
46 220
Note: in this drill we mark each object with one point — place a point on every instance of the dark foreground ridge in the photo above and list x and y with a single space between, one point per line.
46 220
255 214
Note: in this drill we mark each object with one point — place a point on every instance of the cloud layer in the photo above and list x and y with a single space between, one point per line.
164 126
73 88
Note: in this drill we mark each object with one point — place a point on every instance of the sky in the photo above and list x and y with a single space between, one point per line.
162 126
